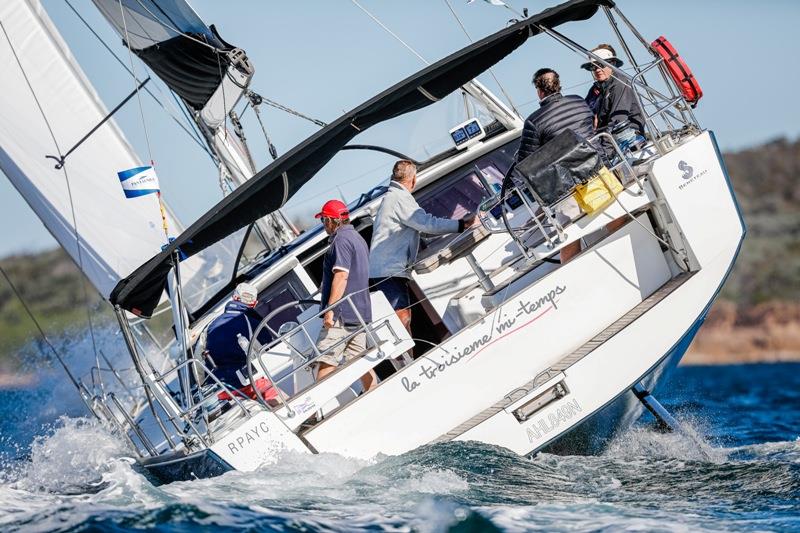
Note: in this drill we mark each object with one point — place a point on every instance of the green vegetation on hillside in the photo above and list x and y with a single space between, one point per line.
766 182
50 283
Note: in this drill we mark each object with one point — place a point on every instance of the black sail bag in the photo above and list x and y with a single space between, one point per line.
554 170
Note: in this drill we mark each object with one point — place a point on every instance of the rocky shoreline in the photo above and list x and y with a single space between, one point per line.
763 333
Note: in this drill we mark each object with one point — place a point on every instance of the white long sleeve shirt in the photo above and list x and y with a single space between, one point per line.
395 235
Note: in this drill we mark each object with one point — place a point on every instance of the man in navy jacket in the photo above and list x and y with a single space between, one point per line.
239 318
556 113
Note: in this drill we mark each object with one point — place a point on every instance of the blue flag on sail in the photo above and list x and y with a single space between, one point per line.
139 181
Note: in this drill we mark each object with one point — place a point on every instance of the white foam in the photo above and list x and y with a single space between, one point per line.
686 444
77 454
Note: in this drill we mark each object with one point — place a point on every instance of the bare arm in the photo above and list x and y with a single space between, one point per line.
338 285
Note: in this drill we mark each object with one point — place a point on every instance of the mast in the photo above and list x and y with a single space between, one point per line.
208 74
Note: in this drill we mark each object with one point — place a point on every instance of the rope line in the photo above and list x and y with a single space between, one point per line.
192 135
134 76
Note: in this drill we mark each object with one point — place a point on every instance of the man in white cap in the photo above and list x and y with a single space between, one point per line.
611 99
222 345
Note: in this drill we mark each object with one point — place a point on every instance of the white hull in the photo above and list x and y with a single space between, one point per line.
588 327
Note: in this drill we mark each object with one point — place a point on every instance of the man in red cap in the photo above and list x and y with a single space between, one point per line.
345 273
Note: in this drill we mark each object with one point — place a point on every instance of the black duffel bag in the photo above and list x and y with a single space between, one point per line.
554 170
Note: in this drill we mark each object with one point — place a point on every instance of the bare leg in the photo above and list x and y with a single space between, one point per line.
324 370
405 317
369 381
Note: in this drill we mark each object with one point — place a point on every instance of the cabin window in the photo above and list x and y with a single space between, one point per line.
463 190
287 289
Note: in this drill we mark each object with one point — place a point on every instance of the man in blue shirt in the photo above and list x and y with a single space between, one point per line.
239 318
345 274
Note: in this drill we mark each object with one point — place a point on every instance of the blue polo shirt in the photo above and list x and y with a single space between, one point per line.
348 251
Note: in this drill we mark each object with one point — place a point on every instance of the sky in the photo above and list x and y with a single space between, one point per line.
325 57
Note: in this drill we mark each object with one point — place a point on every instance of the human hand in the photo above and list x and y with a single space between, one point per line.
469 220
327 320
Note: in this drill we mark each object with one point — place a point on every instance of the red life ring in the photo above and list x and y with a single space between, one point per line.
679 70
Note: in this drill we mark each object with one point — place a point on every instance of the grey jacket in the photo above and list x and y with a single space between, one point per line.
395 235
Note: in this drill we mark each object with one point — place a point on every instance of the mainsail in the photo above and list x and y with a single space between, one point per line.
49 105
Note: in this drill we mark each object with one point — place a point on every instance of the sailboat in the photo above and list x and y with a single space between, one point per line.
510 346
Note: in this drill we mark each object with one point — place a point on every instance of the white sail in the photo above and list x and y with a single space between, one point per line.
48 106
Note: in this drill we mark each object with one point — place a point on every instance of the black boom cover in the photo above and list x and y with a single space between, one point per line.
556 168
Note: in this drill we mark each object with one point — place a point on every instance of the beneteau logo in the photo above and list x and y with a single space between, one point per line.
684 167
688 175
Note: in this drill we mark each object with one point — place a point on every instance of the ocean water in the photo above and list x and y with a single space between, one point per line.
736 466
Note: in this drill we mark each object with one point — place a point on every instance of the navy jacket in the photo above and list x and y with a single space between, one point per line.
221 340
555 114
614 102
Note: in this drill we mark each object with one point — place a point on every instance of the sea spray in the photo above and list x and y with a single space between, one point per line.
646 480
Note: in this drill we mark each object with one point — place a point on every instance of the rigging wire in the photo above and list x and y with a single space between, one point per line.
157 20
74 218
193 125
273 152
192 135
491 72
133 74
36 323
393 34
291 111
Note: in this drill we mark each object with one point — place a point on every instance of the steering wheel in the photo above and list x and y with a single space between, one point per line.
508 179
265 324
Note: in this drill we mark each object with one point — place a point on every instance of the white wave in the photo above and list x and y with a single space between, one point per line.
685 444
76 472
76 455
600 516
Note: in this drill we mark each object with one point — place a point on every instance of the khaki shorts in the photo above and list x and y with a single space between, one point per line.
334 352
